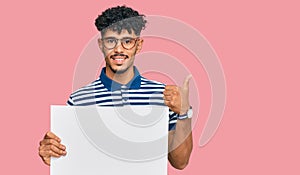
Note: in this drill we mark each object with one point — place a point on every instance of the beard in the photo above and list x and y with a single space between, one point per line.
118 71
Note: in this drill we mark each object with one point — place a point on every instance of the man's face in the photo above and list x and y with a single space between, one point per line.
119 50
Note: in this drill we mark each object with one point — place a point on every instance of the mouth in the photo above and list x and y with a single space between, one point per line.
119 58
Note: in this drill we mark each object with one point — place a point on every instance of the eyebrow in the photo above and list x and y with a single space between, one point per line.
126 37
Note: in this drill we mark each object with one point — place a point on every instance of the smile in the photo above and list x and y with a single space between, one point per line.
119 59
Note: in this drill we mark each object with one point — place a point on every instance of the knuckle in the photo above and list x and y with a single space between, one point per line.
48 133
52 147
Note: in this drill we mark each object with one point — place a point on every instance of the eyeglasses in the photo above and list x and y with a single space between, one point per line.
127 42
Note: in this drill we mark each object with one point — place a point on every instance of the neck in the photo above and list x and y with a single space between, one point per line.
122 78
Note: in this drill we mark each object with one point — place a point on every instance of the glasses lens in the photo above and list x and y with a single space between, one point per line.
110 43
128 43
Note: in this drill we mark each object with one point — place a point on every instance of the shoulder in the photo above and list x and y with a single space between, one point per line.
86 92
91 87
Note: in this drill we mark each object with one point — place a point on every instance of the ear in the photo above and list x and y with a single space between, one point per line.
139 45
100 44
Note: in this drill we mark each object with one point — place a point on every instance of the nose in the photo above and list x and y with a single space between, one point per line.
119 47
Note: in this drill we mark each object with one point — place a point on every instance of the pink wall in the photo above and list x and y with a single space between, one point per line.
257 43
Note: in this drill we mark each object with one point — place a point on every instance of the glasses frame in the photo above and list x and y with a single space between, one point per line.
116 41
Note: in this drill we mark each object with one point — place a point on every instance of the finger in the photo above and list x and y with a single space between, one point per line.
167 98
51 135
52 142
47 160
51 151
57 152
48 154
171 87
166 93
169 103
186 81
45 151
171 93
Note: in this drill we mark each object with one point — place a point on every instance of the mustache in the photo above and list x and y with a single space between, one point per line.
118 54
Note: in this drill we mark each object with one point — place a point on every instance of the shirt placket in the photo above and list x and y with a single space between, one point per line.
124 94
116 97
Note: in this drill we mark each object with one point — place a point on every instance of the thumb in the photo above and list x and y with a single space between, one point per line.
186 82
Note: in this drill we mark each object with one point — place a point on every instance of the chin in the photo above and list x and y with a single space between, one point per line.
118 69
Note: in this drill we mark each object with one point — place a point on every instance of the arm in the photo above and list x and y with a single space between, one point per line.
180 144
180 140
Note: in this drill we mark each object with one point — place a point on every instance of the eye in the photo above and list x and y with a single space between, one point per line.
110 40
127 40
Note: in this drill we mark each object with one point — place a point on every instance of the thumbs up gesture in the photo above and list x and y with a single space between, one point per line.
177 98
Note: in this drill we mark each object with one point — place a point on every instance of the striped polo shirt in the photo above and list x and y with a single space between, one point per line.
106 92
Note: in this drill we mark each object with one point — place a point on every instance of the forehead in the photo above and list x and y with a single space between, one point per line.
115 34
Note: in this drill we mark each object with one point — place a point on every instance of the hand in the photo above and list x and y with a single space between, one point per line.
177 98
50 146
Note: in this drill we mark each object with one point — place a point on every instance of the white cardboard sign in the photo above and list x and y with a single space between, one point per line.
130 140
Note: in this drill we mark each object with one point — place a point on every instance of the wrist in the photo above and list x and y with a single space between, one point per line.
187 114
184 109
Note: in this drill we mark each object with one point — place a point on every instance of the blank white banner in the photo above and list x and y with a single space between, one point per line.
130 140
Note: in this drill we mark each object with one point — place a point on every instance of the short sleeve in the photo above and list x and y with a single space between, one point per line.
172 120
70 101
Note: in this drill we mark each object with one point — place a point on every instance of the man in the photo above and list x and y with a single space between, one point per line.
121 84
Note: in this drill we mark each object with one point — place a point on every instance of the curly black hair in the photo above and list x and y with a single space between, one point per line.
119 18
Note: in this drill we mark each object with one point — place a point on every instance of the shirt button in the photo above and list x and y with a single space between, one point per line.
125 98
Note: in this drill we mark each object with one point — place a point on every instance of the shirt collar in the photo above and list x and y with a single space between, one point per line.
111 85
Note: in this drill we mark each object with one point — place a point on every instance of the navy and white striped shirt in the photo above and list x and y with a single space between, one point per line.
106 92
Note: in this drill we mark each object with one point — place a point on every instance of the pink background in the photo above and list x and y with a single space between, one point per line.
257 43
